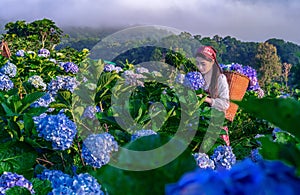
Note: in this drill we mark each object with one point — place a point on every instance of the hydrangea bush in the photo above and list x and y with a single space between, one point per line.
48 120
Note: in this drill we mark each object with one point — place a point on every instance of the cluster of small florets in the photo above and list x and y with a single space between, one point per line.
97 149
70 67
44 53
133 79
203 161
5 83
111 68
44 101
58 129
90 112
9 180
9 69
37 82
20 53
62 83
62 183
194 80
223 157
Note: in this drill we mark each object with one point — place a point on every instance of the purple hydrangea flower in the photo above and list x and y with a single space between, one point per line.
9 180
97 149
236 68
62 83
111 67
194 80
44 53
70 67
58 129
133 79
141 133
5 83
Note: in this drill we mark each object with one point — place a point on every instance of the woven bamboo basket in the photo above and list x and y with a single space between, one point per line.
238 85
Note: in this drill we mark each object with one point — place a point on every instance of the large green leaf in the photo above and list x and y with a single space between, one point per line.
17 157
284 113
148 181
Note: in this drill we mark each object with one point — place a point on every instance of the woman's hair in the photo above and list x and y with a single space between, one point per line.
216 71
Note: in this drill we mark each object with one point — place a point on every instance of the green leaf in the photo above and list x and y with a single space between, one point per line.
284 152
28 123
151 181
41 187
17 190
17 157
284 113
29 99
8 111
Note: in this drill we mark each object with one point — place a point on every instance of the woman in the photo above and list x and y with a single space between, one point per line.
215 82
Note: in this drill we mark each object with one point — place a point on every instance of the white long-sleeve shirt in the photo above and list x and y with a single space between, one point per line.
220 103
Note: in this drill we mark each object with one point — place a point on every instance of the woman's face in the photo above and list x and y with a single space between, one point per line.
204 65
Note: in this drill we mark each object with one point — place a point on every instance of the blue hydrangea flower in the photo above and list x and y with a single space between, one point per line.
44 53
44 101
20 53
70 67
90 112
62 83
255 156
9 180
203 161
223 157
9 69
194 80
141 133
37 82
5 83
58 129
56 177
245 177
200 181
63 183
84 183
97 149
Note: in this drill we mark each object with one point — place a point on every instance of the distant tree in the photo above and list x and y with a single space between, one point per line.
270 68
29 36
156 55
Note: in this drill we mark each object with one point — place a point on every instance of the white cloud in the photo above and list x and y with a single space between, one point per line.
255 20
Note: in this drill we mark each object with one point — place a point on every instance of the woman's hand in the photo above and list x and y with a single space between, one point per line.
207 99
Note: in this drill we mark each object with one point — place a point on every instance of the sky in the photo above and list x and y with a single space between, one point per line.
246 20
